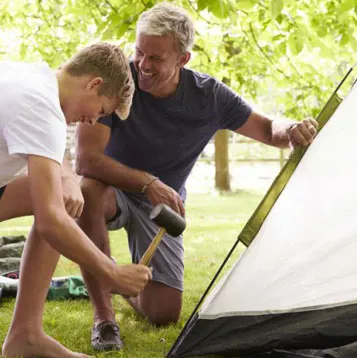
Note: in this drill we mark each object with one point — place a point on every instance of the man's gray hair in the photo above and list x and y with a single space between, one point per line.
165 18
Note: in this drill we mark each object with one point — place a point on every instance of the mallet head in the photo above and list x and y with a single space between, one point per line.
167 218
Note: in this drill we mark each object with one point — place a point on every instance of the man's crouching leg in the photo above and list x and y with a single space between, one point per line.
160 304
160 301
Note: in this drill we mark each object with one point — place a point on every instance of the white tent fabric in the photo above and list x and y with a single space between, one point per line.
304 255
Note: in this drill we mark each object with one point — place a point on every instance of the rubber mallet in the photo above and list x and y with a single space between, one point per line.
169 222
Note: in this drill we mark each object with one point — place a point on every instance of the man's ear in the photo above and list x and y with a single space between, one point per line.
94 84
184 59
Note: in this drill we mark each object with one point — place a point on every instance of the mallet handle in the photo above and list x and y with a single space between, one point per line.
152 247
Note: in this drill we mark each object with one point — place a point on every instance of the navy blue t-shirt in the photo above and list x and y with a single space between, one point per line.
165 136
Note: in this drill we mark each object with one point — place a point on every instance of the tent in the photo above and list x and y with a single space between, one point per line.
293 292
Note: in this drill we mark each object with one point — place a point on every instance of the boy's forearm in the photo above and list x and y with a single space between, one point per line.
66 168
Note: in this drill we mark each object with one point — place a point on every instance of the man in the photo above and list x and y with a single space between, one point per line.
36 103
131 166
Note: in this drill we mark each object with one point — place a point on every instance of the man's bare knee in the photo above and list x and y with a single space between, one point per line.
164 318
92 189
160 304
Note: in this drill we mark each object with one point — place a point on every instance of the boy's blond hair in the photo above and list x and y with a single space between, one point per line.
108 62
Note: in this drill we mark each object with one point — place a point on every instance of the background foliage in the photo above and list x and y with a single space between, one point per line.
285 55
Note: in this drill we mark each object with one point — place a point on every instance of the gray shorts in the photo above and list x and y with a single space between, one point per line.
167 262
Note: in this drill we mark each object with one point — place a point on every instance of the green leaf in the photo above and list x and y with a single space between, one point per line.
245 4
276 7
23 50
57 59
132 36
292 45
218 8
279 19
325 50
353 42
201 5
345 39
347 5
322 31
107 35
281 49
102 27
121 30
295 45
315 23
114 19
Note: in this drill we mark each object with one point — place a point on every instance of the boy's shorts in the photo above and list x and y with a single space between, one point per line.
167 262
2 189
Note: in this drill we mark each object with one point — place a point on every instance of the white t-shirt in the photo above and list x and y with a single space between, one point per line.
31 119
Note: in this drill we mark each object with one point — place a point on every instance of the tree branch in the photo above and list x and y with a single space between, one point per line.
268 58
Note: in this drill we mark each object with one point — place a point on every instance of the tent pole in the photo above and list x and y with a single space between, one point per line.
344 78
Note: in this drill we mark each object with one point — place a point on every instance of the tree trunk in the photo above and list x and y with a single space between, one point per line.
222 160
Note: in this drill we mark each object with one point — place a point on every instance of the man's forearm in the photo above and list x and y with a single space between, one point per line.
265 130
280 133
101 167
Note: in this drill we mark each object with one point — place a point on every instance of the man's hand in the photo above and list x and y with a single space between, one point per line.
130 280
72 196
158 192
303 133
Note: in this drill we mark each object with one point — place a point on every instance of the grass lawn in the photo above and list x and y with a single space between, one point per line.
214 221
